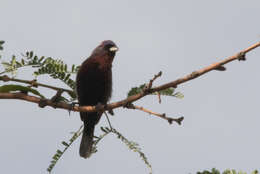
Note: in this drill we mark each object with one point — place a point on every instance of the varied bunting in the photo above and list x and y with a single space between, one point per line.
93 87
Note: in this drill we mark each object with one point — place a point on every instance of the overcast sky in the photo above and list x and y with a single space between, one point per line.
221 109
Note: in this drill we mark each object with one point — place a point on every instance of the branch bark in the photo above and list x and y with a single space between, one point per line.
33 83
131 99
163 116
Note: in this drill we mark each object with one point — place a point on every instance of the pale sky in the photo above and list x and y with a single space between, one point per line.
221 109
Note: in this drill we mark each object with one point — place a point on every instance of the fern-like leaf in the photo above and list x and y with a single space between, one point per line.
24 89
56 157
55 68
130 144
166 92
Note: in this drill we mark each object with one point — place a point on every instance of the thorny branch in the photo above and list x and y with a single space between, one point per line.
33 83
152 80
163 116
62 105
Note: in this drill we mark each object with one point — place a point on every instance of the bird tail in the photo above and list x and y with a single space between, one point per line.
87 140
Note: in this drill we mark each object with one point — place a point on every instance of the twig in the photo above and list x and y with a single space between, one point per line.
108 121
195 74
33 83
152 80
159 97
131 99
163 116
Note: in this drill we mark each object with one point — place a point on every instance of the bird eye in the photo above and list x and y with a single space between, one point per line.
108 46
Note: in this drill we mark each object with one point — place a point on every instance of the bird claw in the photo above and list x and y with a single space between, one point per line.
100 107
111 112
72 104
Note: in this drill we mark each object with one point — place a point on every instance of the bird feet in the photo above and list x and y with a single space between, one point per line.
72 104
100 108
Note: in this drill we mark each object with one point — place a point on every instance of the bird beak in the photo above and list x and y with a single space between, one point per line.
113 49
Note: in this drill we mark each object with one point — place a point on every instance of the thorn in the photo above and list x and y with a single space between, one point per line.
179 120
111 112
128 105
159 97
241 56
72 106
220 68
194 74
170 120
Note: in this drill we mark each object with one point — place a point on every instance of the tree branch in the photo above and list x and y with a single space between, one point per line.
33 83
163 116
131 99
195 74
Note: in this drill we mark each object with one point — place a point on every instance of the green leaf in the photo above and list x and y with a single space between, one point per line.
30 55
255 172
72 94
178 95
59 152
168 91
41 58
103 129
11 88
136 90
22 61
55 157
35 59
134 147
73 68
61 99
1 43
64 143
6 64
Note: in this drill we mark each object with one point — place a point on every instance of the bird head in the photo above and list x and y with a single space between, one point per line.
107 47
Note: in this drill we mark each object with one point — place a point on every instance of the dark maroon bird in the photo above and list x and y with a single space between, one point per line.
94 86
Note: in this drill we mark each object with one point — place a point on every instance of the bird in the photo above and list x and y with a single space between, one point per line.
94 87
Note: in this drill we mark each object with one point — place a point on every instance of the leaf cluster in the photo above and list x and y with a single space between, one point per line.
55 68
106 130
59 153
23 89
166 92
